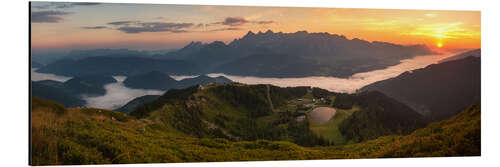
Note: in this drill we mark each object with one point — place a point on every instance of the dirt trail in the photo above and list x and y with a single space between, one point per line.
213 126
269 97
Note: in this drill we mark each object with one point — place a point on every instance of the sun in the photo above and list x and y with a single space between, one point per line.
439 45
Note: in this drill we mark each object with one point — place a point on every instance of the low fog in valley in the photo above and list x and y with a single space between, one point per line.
118 95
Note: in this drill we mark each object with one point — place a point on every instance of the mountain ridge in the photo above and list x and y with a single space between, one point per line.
327 55
458 83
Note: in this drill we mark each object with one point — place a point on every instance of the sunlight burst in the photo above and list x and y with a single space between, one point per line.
439 45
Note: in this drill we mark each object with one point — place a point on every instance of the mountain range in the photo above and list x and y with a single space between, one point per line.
116 65
306 54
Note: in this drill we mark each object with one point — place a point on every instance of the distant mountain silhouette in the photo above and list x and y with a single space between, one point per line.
318 54
334 54
272 65
70 93
81 54
475 53
90 85
438 91
35 64
112 65
191 48
47 57
151 80
162 81
56 91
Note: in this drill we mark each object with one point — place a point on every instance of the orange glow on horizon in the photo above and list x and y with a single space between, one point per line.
434 28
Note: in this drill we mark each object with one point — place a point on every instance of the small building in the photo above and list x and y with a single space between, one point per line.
300 118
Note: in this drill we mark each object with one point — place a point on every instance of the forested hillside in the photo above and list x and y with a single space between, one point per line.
94 136
437 91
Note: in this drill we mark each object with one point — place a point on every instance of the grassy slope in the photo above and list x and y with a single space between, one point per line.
90 136
330 130
457 136
233 111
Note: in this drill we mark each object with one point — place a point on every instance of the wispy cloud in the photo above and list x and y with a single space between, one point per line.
233 21
443 31
225 29
265 22
135 27
86 3
117 23
94 27
48 16
431 15
240 21
64 5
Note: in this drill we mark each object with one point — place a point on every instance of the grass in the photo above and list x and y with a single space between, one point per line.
330 130
67 136
457 136
77 137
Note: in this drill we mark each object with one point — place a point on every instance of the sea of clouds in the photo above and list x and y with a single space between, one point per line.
118 95
344 85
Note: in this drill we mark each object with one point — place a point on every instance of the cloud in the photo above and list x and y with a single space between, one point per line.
117 23
118 95
265 22
48 16
239 21
86 3
94 27
41 7
443 31
70 5
431 15
135 27
201 25
233 21
226 29
162 25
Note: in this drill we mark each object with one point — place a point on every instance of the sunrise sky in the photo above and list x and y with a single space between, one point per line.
66 26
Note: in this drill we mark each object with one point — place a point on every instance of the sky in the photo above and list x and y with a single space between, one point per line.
68 26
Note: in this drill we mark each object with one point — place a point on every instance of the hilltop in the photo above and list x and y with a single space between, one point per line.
64 136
